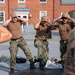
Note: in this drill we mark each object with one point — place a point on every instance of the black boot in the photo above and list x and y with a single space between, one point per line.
32 64
42 65
35 60
11 71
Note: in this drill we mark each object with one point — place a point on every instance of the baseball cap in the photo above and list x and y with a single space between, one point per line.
65 14
45 18
13 15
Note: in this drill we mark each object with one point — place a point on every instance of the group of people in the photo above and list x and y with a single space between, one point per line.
13 30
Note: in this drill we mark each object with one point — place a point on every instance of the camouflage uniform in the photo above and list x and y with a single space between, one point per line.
63 49
43 50
41 42
14 26
14 44
65 26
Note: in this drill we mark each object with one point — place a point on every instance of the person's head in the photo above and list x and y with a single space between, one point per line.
14 17
44 19
65 17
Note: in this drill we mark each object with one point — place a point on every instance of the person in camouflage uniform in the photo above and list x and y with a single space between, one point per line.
42 29
14 26
65 25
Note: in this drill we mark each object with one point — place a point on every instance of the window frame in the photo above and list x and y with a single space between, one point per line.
66 3
40 14
43 2
21 1
2 1
4 17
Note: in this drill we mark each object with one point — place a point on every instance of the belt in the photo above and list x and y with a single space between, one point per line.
16 38
42 40
64 41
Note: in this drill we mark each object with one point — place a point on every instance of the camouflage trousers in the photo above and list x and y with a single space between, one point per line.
14 44
43 50
63 50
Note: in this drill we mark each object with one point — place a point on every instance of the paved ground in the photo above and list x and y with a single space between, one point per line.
40 72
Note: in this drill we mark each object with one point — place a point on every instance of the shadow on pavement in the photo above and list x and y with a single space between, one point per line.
40 72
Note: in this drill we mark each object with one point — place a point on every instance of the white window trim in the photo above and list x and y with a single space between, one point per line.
40 13
2 1
22 12
21 1
4 16
43 2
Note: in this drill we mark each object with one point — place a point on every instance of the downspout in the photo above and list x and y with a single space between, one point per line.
53 9
8 9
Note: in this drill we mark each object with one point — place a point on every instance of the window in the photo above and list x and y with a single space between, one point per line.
2 16
21 1
72 13
43 1
2 1
67 1
43 13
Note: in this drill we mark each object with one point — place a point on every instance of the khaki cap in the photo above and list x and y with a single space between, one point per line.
65 14
13 15
45 18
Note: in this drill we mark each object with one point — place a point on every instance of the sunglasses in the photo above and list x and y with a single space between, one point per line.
64 18
44 21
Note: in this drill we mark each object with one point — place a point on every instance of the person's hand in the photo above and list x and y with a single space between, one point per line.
61 15
18 17
10 18
69 17
39 21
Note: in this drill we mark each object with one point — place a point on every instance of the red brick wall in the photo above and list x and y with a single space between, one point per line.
36 7
53 8
58 8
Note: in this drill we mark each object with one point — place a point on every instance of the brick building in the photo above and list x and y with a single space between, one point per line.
34 9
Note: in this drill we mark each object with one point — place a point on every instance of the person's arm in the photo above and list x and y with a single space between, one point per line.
36 26
55 23
73 20
23 19
5 35
6 22
57 19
